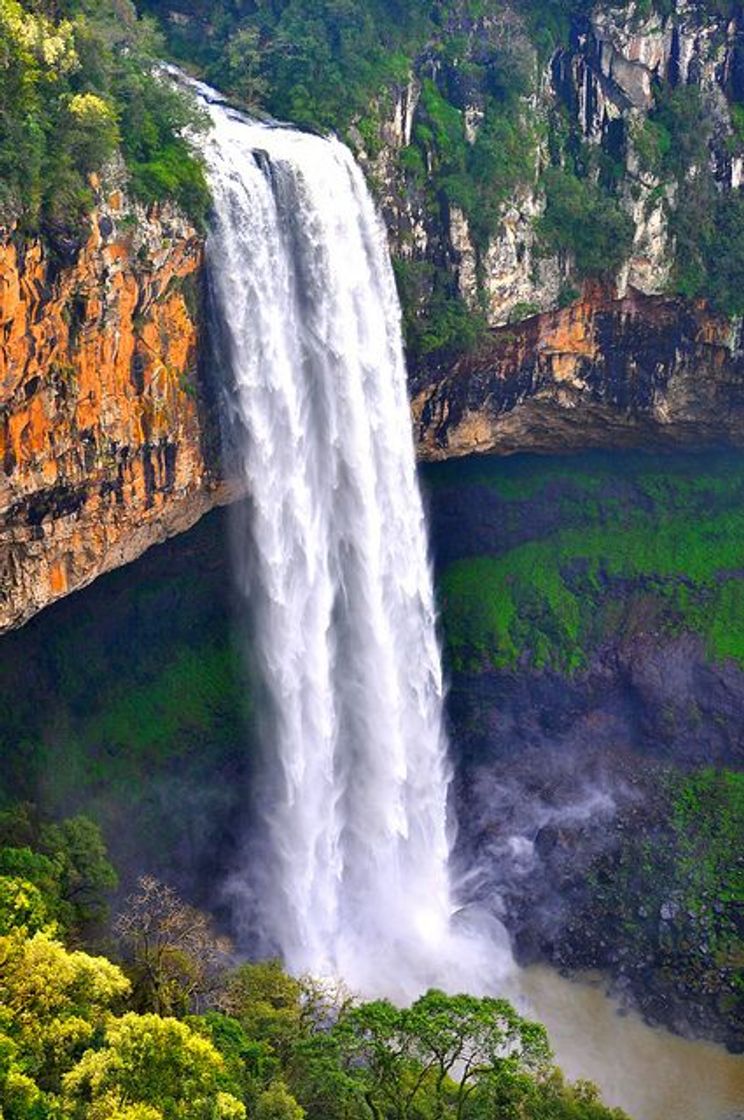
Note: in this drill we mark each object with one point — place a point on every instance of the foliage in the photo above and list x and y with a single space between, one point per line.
175 952
156 1063
479 176
277 1103
77 85
23 906
315 62
436 319
438 1056
580 218
267 1003
53 1002
707 223
708 820
664 543
71 1045
65 861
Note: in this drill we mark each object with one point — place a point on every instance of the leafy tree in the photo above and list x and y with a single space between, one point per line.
23 907
66 861
53 1002
277 1103
155 1064
250 1063
268 1004
20 1096
240 74
78 83
84 873
436 1054
92 133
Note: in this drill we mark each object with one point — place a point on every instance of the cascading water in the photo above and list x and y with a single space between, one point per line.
352 794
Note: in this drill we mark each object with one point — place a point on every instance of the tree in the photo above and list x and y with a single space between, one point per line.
250 1064
23 907
92 131
53 1002
84 872
277 1103
67 861
433 1056
240 68
268 1004
20 1096
159 1066
176 953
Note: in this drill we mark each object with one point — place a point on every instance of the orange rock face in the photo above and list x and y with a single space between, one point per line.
637 371
101 432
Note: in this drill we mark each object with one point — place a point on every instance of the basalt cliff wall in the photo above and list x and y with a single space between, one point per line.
105 442
108 433
108 426
637 371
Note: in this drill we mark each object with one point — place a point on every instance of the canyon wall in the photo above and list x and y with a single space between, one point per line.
588 103
641 371
104 436
108 427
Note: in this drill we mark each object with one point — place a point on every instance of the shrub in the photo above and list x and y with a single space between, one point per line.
580 218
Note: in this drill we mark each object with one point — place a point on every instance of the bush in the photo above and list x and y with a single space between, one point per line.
580 218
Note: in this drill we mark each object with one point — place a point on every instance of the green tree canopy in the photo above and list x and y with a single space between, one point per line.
156 1064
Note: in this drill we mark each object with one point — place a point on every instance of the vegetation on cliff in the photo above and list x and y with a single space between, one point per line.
77 88
642 543
173 1032
591 610
494 123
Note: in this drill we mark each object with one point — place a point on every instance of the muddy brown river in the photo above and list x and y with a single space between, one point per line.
650 1073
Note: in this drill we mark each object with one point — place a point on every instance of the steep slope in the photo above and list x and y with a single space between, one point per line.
104 436
560 196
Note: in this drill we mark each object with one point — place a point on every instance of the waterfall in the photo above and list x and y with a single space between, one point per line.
352 873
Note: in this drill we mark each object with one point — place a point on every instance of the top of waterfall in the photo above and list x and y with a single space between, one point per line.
213 96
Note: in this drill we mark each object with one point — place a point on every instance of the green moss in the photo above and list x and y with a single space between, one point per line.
668 551
147 726
708 818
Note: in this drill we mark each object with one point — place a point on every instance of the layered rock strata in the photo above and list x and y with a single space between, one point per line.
103 439
637 371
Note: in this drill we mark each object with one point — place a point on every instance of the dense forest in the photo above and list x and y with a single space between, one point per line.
78 87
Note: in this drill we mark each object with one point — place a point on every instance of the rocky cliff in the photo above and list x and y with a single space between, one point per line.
106 431
641 371
103 437
584 107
